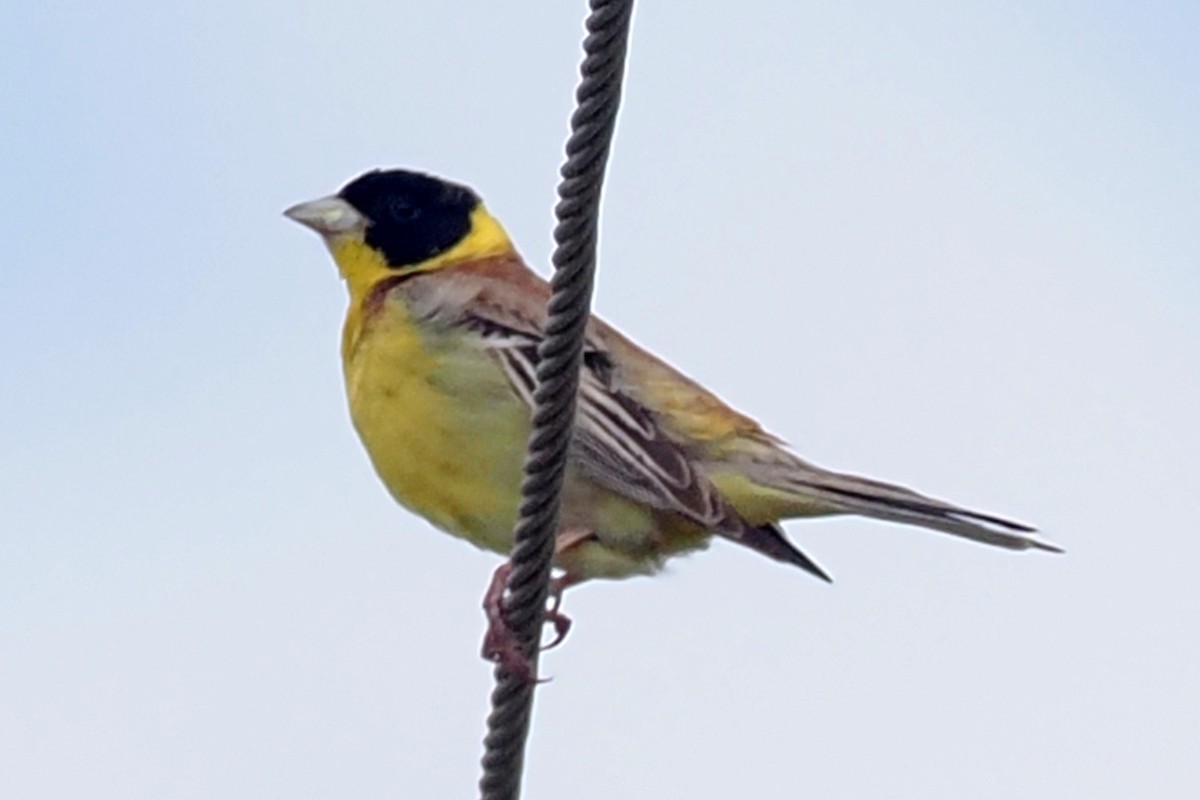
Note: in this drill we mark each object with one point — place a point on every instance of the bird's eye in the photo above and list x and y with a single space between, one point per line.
404 212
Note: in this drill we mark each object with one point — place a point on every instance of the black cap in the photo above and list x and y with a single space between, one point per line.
413 217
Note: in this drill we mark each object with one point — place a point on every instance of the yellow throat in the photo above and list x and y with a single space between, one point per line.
363 266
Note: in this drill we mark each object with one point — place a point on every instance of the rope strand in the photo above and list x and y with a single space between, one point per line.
559 356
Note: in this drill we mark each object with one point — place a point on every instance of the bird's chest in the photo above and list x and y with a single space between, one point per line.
440 422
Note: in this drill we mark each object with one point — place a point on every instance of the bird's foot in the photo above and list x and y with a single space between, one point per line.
500 643
564 543
560 621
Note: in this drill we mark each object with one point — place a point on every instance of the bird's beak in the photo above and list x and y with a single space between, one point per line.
330 216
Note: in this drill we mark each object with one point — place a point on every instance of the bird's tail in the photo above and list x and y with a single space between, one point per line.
818 492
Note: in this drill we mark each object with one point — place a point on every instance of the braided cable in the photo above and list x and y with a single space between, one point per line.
559 355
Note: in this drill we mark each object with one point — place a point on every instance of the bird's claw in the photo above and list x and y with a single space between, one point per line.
562 626
560 621
500 645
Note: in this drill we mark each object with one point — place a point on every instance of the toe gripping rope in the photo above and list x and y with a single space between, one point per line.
597 99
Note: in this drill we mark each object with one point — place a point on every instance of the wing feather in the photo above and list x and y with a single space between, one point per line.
617 442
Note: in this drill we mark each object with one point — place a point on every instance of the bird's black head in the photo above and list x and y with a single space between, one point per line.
413 217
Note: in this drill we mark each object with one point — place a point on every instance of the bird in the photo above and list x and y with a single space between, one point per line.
439 353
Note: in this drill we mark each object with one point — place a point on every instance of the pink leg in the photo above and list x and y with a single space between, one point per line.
499 643
560 621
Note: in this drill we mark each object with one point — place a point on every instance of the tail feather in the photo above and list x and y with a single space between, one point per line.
814 491
850 494
770 541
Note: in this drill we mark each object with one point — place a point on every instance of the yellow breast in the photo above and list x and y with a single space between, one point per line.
439 421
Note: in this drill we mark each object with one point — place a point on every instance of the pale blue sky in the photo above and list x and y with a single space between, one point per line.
951 246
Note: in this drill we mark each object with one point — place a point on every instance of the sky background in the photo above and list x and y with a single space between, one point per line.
951 246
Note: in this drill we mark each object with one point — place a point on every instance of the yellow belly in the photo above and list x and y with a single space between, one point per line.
440 424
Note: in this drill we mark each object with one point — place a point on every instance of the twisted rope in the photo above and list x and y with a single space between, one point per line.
559 356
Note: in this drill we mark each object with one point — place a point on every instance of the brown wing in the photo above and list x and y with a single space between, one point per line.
619 442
